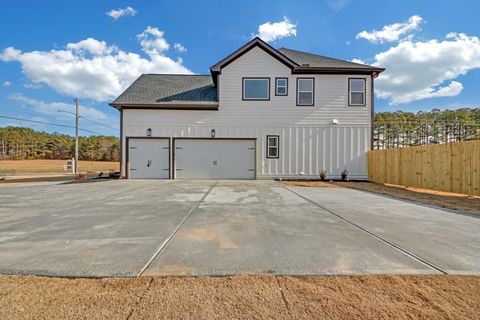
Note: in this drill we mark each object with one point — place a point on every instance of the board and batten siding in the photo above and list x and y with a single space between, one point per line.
309 141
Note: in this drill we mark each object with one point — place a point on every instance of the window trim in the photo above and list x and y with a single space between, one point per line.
255 99
364 103
313 92
286 86
268 147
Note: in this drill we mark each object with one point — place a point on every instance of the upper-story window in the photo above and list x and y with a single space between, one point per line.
281 86
356 91
256 89
305 91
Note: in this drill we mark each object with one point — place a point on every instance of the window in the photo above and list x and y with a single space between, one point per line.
305 91
356 92
273 147
281 86
256 89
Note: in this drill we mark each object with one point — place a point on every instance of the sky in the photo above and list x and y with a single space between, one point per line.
54 51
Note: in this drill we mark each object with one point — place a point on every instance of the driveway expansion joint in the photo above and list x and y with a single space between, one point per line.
167 240
393 245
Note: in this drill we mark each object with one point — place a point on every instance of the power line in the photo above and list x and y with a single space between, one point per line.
100 124
49 123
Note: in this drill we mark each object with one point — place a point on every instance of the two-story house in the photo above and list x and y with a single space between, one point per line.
261 113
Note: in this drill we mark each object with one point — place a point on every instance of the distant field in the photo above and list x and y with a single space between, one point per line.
15 167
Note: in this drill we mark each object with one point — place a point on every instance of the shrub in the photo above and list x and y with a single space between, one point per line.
344 175
323 175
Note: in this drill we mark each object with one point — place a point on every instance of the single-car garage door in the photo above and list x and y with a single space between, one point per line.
149 158
214 159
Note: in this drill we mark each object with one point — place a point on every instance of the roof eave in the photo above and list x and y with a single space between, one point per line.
338 70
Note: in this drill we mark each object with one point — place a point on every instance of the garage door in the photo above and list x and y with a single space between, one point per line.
214 159
148 158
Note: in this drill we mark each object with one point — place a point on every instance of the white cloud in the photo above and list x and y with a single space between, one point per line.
392 32
10 54
52 108
118 13
179 47
93 69
152 41
91 46
6 84
358 61
417 70
271 31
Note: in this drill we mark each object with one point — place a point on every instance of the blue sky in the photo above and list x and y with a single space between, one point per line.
52 51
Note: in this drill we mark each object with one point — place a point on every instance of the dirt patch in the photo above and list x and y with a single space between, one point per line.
242 297
442 199
300 183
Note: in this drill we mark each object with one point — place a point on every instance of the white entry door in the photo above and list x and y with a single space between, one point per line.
214 159
149 158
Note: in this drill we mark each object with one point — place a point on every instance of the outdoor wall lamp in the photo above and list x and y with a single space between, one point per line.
149 132
212 133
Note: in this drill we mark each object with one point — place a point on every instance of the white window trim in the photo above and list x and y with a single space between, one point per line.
364 91
304 91
256 78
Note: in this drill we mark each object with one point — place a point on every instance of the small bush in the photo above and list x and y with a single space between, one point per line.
323 175
345 175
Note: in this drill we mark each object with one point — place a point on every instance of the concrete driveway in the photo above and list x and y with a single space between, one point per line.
130 228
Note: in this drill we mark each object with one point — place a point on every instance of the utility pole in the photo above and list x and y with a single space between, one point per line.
77 103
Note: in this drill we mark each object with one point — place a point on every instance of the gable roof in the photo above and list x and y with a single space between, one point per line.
256 42
298 61
169 90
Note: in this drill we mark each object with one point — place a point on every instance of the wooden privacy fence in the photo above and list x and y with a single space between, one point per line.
451 167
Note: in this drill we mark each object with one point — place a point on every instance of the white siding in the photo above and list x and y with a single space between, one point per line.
309 142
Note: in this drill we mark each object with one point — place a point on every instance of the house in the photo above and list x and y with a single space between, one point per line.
261 113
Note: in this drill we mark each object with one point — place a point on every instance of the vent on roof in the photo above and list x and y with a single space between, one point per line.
305 65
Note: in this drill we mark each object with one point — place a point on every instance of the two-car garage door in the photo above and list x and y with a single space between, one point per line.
194 158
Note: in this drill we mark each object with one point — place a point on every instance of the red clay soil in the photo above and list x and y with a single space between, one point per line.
242 297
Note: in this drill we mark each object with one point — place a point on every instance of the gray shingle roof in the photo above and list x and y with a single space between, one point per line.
150 89
315 60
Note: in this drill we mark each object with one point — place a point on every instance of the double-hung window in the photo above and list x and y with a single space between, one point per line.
281 86
356 91
273 149
256 89
305 91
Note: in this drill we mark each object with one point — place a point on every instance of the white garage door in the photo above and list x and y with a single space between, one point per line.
214 159
148 158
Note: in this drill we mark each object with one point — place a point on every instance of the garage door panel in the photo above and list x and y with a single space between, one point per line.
149 158
214 159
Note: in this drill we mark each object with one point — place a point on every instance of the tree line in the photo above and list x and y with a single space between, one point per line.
403 129
391 130
18 143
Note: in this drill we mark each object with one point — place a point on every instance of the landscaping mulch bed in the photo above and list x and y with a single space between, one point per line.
242 297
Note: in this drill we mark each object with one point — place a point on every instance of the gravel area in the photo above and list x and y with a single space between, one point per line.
242 297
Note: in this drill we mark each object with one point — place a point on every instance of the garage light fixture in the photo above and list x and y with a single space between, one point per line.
149 132
212 133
